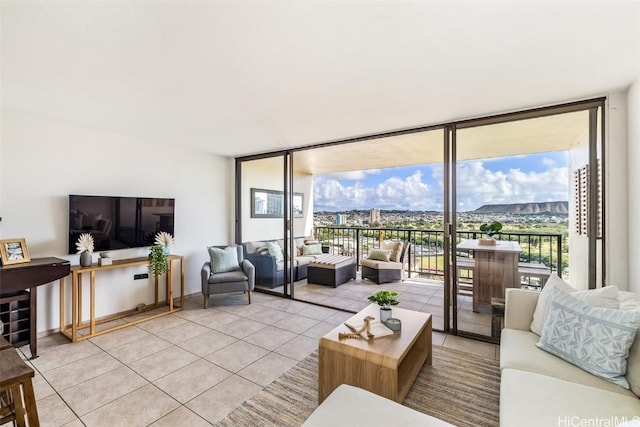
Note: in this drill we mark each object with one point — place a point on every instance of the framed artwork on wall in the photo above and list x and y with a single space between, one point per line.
270 204
14 251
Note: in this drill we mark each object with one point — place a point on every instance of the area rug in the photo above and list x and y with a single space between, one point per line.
460 388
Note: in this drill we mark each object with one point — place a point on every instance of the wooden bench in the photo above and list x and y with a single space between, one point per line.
528 271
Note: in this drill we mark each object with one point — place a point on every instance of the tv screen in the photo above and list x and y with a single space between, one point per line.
119 222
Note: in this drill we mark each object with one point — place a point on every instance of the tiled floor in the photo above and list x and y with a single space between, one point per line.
189 368
419 295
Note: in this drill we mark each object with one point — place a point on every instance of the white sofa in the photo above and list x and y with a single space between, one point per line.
540 389
349 406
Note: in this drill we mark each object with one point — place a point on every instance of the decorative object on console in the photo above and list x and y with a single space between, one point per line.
14 251
105 258
385 299
489 230
394 324
157 261
85 246
165 240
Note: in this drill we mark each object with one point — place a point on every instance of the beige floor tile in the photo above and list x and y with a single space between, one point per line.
357 305
338 318
216 318
164 362
183 332
267 369
161 323
139 408
53 412
295 323
41 387
241 328
136 350
270 337
99 391
207 343
119 337
268 316
74 423
90 367
237 356
242 309
437 338
192 380
411 305
216 403
298 348
312 297
320 329
338 302
59 355
181 417
470 346
192 312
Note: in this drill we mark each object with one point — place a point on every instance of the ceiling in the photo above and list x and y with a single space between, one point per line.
242 77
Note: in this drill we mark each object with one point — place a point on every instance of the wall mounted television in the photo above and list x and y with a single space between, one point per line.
119 222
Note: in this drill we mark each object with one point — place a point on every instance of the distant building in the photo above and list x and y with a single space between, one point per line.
374 216
341 219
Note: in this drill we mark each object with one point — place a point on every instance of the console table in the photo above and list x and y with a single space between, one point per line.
18 297
77 324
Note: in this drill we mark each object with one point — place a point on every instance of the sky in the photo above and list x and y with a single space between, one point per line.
540 177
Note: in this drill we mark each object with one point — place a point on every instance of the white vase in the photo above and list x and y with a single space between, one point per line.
166 249
385 313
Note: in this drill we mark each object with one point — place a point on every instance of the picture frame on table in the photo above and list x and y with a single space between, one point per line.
14 251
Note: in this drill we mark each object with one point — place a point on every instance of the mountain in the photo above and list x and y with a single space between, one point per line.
526 208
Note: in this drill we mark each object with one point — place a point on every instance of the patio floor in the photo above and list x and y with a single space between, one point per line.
419 295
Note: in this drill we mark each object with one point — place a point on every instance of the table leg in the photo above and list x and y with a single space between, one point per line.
169 283
30 404
74 307
33 322
92 297
79 319
62 304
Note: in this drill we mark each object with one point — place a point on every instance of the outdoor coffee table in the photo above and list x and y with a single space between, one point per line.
386 366
331 270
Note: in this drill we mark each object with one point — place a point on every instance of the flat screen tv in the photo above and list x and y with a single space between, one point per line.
119 222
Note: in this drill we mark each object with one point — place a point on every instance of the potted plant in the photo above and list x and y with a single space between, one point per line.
85 246
157 261
385 299
489 230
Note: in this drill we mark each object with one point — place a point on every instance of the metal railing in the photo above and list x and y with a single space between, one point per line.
426 256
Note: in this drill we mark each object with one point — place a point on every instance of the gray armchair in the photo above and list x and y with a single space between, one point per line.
240 279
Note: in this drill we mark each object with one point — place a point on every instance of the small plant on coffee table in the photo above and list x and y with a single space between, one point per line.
384 298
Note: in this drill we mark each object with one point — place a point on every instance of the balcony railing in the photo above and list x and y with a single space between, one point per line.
426 256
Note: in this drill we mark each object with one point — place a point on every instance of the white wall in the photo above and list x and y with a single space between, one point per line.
43 161
616 188
267 174
633 178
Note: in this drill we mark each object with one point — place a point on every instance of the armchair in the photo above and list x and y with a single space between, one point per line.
227 271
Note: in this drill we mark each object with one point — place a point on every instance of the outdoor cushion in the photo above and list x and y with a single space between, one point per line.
276 251
379 254
315 249
381 265
395 248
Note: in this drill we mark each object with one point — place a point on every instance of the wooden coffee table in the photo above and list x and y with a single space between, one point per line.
386 366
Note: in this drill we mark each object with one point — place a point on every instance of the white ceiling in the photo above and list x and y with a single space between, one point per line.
242 77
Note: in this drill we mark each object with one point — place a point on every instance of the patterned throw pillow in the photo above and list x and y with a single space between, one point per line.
595 339
224 260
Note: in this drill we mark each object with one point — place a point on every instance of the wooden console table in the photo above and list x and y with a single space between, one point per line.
72 331
18 297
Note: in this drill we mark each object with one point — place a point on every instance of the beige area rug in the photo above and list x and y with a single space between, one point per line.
460 388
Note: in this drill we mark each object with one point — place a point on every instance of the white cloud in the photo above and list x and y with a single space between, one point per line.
476 186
